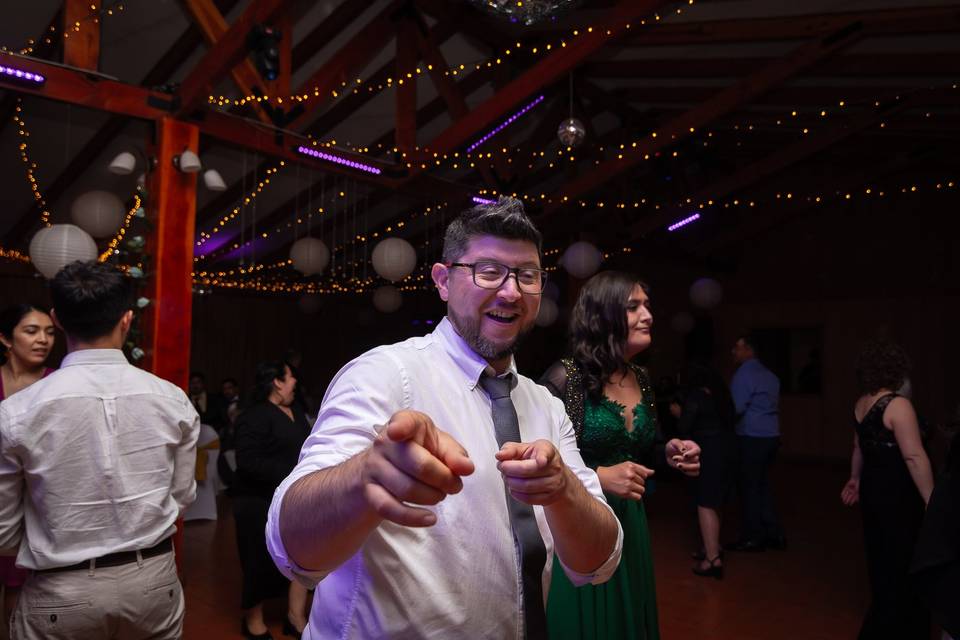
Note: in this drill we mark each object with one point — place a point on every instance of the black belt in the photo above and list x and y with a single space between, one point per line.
118 558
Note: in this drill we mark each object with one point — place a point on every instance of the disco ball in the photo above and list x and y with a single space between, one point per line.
571 132
527 12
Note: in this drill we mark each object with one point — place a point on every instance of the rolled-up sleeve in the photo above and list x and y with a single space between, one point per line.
362 396
570 453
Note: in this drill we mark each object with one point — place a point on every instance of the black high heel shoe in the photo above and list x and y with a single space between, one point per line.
253 636
713 571
290 630
702 555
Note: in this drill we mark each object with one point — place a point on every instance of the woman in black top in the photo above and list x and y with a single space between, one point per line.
269 435
706 416
890 476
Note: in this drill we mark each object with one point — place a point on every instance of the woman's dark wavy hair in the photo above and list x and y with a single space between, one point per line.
882 364
598 327
10 318
263 379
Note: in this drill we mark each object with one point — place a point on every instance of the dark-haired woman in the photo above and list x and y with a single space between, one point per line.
610 402
269 435
706 415
890 476
27 336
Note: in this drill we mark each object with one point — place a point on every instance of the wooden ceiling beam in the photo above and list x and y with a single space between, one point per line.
778 161
722 103
917 20
549 69
44 47
348 61
946 63
405 93
81 45
227 52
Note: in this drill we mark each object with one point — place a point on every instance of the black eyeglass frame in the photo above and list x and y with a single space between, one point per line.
510 270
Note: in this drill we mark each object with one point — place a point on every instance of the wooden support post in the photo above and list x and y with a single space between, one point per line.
81 34
172 206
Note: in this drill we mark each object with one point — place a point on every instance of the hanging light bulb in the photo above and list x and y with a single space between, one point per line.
571 131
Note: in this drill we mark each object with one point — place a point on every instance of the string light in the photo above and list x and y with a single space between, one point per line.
118 238
14 255
248 198
455 70
94 16
30 166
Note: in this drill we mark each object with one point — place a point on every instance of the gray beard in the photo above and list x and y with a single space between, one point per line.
469 330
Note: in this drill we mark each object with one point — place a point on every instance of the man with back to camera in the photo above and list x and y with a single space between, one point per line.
756 398
426 422
97 462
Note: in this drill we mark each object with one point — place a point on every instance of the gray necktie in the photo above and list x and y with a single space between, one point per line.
526 534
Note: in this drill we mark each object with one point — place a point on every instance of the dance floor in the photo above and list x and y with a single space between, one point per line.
815 590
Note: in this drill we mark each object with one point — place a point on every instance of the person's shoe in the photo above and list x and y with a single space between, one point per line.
701 555
747 546
253 636
290 630
779 543
714 570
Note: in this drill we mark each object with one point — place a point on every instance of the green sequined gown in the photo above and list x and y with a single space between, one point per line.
624 607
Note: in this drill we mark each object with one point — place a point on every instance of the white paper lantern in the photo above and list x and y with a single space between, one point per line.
309 256
55 247
99 213
706 293
310 303
387 299
581 259
394 259
548 312
682 322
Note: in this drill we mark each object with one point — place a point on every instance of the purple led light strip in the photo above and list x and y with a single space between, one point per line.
329 157
504 124
20 74
682 223
479 200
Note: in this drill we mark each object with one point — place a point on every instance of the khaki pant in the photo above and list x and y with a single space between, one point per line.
128 602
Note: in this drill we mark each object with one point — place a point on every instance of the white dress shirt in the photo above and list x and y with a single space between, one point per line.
97 457
460 577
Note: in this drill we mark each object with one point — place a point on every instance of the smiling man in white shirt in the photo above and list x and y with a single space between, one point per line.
97 462
406 495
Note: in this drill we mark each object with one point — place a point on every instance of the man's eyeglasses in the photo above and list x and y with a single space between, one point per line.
492 275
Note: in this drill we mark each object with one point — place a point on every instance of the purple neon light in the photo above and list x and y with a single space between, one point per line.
20 74
479 200
504 124
682 223
329 157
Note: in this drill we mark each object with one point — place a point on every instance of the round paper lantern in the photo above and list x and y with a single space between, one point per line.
706 293
394 259
55 247
387 299
581 259
99 213
682 322
551 290
548 312
309 256
310 303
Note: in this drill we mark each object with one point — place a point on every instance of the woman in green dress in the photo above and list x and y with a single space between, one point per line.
610 402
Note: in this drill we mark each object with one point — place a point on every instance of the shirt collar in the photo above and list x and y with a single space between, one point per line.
94 356
470 363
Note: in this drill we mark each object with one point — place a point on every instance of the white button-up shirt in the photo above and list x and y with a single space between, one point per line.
97 457
460 577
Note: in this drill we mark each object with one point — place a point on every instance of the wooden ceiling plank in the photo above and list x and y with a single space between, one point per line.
405 94
327 30
81 35
696 118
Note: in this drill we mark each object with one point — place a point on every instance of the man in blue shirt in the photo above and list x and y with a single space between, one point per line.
756 395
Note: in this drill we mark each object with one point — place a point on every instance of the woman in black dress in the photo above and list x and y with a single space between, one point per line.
890 476
706 416
269 435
